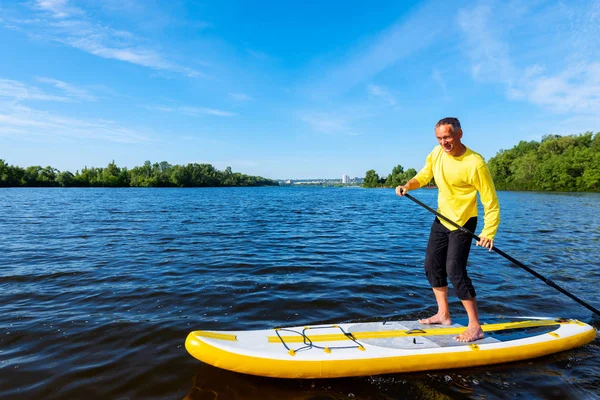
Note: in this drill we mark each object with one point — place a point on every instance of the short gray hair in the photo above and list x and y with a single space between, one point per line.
453 122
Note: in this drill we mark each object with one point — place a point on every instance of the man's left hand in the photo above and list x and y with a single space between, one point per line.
485 242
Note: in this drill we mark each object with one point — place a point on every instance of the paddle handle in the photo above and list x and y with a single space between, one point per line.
547 281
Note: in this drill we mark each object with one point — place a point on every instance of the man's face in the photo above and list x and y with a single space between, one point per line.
450 141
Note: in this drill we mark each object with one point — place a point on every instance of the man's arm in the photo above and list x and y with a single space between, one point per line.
410 185
422 178
491 208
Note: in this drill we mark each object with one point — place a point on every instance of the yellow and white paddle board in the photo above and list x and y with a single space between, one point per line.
359 349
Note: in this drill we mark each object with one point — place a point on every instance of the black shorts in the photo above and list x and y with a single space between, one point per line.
446 258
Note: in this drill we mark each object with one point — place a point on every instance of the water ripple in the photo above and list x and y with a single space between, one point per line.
99 288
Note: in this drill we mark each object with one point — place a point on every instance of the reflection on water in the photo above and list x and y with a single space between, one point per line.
99 288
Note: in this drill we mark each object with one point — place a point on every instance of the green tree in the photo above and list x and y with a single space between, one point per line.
4 173
591 176
557 163
66 179
15 175
110 175
409 174
371 179
160 174
32 175
180 176
524 172
397 177
142 176
89 177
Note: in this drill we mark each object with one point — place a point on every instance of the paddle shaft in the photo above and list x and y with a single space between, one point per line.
503 254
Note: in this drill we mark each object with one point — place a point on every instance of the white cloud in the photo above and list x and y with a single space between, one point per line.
437 77
328 123
584 28
381 93
488 53
17 91
571 86
192 111
61 22
58 8
404 38
240 97
97 43
209 111
68 89
39 125
575 89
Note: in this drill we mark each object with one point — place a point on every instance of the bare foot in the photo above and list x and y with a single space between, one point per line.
437 319
470 334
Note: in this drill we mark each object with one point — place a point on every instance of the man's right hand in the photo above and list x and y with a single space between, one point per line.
401 190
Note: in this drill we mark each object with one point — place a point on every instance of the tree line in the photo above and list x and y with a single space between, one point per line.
150 174
556 163
396 178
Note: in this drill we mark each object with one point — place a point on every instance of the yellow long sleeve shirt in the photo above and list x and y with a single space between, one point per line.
458 180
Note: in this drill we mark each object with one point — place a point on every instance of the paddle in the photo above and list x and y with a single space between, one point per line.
503 254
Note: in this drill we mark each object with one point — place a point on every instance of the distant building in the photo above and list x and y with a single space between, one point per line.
345 179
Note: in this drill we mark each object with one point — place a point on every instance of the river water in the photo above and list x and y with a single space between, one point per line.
100 287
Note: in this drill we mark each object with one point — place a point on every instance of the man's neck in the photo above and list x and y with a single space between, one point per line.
460 150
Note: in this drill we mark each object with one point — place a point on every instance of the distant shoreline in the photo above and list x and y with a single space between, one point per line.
160 174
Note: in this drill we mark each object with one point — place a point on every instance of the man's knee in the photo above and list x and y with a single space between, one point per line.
457 274
435 277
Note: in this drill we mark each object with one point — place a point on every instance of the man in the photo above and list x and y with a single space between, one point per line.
459 174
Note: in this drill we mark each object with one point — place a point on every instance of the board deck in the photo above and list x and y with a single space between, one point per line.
372 348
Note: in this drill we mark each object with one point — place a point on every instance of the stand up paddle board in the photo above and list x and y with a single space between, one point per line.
359 349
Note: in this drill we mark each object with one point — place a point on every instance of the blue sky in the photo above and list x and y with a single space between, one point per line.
289 89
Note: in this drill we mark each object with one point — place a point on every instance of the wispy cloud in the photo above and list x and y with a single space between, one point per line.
407 36
240 97
489 54
575 89
62 22
573 85
58 8
192 111
68 89
35 125
437 77
584 29
28 123
259 55
17 91
98 44
328 123
381 93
